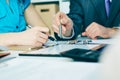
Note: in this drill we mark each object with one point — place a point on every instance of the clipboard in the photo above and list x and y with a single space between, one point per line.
40 55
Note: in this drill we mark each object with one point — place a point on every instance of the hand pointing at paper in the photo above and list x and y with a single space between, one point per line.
67 24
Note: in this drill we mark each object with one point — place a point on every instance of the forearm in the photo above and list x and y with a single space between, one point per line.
33 18
8 39
113 31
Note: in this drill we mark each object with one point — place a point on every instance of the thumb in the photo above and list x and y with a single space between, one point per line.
64 20
84 34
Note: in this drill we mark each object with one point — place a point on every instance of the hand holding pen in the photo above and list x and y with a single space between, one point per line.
35 36
62 25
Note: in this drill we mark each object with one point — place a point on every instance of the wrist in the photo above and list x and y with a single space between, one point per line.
15 38
69 33
9 39
113 31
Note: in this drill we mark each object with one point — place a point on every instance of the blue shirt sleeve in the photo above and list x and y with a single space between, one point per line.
26 3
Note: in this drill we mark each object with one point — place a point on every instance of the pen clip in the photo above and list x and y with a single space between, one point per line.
60 29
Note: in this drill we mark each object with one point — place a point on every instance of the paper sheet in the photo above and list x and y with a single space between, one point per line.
64 45
58 48
102 41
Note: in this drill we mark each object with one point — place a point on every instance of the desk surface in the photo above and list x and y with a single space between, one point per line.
47 68
40 68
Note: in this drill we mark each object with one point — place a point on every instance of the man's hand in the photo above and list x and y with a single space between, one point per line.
65 21
94 30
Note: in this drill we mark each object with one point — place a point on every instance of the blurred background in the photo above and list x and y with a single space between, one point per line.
48 8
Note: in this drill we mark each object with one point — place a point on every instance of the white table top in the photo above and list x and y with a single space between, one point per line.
47 68
43 68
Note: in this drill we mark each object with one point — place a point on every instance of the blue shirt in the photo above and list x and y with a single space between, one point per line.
12 15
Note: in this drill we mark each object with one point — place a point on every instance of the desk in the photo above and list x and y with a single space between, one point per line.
31 68
46 68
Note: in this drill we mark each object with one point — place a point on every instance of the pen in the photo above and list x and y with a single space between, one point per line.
29 26
60 29
49 37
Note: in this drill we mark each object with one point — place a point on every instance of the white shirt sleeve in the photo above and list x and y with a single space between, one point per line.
64 37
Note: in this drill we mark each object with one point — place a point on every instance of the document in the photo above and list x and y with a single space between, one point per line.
55 47
102 41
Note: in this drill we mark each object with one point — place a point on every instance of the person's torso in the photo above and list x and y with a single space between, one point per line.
11 17
88 11
95 11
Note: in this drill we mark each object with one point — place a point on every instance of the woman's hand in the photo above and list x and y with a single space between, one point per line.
36 36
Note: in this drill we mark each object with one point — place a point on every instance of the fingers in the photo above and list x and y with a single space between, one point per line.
40 39
41 35
57 29
60 19
92 36
64 20
84 34
37 44
93 31
45 30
